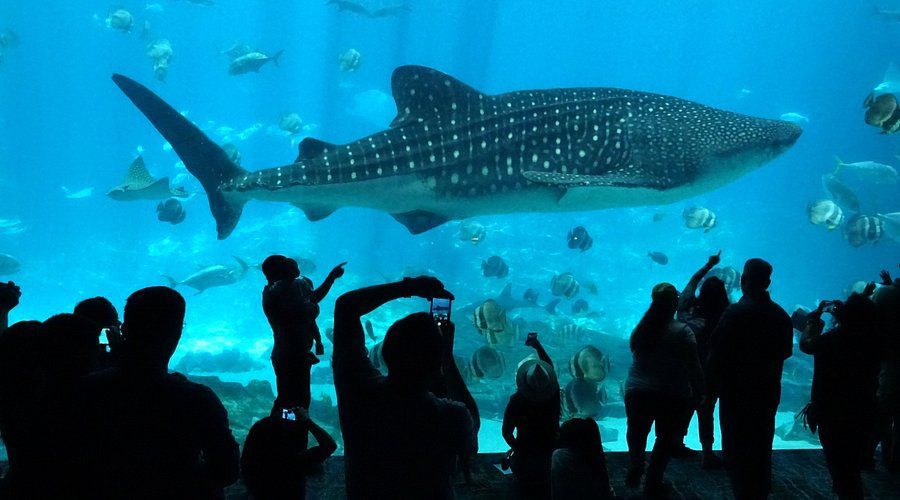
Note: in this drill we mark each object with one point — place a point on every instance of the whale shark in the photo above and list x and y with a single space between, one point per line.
454 152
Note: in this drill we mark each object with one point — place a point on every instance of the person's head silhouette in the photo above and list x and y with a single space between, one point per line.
279 267
154 318
757 277
857 315
98 310
581 434
69 345
412 350
713 297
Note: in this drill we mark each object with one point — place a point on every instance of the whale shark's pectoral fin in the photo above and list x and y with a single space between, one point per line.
312 148
315 212
419 221
580 180
425 94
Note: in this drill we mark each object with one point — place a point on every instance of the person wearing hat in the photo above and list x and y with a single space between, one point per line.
531 423
664 377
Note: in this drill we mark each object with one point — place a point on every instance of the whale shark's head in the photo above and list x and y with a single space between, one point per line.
745 144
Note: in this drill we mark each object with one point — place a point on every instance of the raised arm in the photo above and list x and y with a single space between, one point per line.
9 299
326 285
349 339
811 338
687 295
533 342
325 447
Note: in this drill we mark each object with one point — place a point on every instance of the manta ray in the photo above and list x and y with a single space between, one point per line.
453 152
140 185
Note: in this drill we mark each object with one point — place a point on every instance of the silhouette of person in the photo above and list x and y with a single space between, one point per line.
400 441
747 353
844 386
69 351
578 468
9 299
887 302
20 382
531 423
148 433
292 305
105 317
276 461
702 313
663 381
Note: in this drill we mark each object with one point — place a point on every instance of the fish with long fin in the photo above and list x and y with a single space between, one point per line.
453 152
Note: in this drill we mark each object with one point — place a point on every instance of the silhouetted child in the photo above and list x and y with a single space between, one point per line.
291 305
578 469
105 317
531 423
702 313
276 459
662 383
747 353
400 440
147 432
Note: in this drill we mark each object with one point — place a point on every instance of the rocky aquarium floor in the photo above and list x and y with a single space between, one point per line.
798 474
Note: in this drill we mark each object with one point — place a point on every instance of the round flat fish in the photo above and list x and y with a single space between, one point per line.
171 211
579 239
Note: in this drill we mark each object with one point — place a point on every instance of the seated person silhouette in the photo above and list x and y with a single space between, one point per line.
531 423
578 469
276 461
148 433
292 305
400 440
105 318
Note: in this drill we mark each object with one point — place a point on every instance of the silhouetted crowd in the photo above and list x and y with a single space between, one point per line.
85 419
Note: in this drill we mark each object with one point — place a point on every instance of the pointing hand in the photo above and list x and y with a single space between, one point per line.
338 270
714 260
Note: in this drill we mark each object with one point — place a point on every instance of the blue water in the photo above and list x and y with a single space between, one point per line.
64 124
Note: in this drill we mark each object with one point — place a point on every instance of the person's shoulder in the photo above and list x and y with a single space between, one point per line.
453 410
199 392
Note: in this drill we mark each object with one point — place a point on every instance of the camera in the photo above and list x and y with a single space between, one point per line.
440 310
288 414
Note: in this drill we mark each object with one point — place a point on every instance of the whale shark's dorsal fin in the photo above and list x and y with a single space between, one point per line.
507 291
311 148
138 176
425 94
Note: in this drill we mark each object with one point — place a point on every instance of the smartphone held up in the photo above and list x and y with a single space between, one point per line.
440 309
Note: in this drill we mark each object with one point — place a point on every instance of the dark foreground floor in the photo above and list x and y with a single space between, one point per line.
798 474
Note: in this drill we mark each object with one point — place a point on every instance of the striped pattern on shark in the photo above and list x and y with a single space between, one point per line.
453 152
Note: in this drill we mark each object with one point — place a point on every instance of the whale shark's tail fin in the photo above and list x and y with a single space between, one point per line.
203 158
